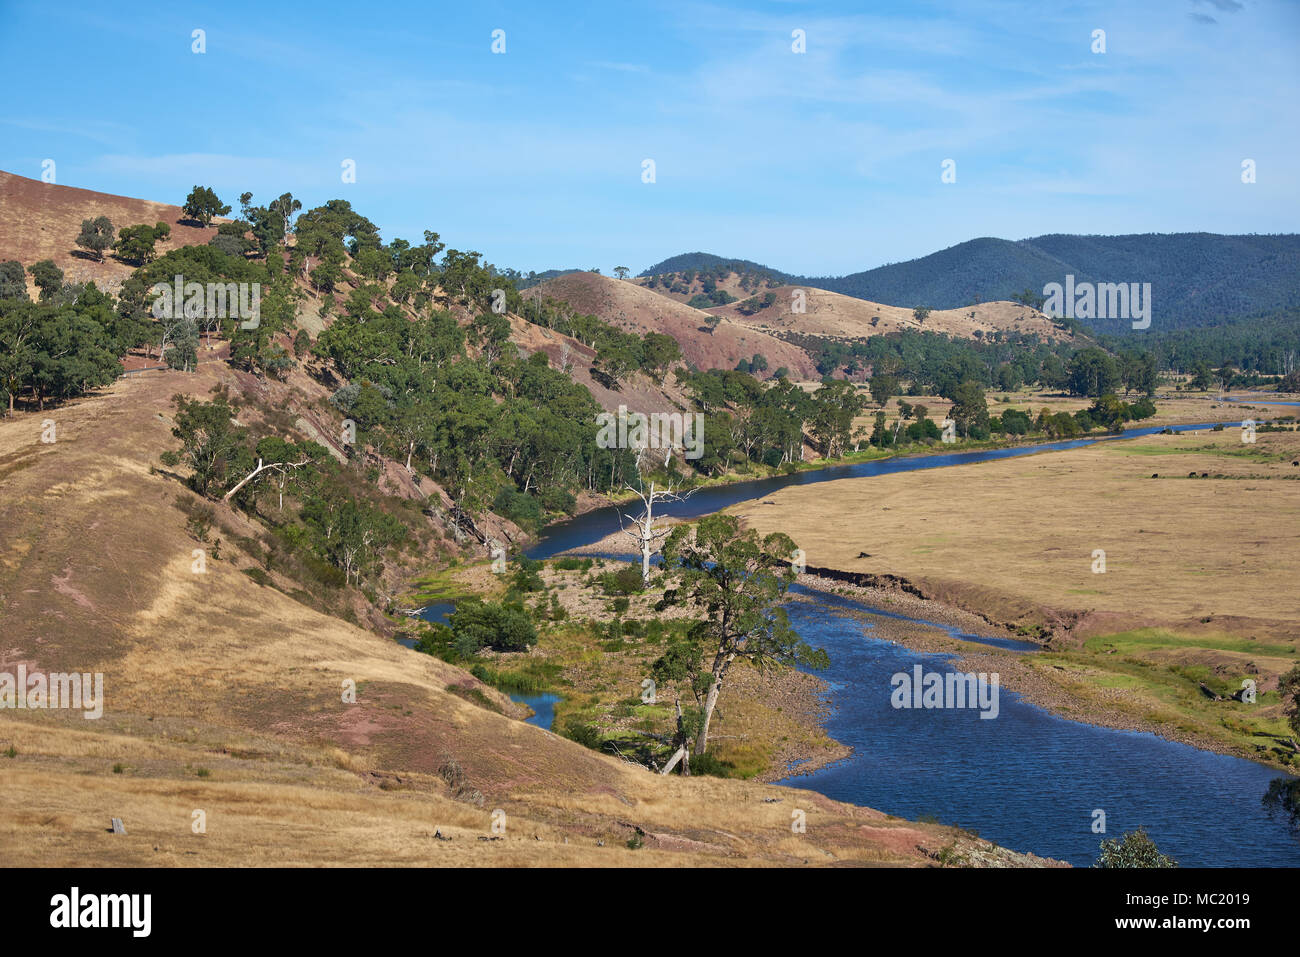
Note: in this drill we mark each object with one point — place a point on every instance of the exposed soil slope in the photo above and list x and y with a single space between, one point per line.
636 309
42 220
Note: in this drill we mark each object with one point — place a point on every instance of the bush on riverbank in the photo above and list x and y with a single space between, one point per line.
1134 849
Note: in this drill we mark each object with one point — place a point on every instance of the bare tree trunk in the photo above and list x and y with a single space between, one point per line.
259 470
683 752
646 525
678 755
711 702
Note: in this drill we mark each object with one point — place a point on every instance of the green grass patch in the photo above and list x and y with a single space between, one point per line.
1149 639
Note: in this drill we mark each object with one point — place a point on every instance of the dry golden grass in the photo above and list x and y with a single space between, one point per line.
837 316
43 220
225 696
1019 534
636 309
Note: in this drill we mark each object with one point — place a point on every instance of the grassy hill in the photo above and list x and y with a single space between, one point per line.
42 221
633 308
836 316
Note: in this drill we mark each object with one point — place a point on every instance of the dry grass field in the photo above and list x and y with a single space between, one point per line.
1178 549
224 696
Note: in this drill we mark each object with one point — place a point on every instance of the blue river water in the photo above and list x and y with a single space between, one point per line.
1026 779
543 706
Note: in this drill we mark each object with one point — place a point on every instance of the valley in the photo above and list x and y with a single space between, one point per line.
231 525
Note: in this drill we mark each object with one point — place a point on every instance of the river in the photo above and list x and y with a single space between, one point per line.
1027 779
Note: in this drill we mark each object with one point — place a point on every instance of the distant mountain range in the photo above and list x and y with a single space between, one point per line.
1197 279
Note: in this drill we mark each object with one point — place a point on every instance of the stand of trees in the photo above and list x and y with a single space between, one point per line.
61 347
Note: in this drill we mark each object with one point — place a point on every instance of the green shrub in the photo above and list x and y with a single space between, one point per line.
625 581
1134 849
522 509
707 764
527 577
586 734
259 576
502 626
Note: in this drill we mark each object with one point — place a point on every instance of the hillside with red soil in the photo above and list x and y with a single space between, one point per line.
634 308
42 220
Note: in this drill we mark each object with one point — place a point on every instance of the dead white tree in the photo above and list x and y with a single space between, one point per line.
281 467
642 530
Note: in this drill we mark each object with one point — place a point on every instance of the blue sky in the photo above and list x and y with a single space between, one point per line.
824 162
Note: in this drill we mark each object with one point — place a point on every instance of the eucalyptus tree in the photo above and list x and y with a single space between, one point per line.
740 581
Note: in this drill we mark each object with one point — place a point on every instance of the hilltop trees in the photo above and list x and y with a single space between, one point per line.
202 205
269 224
96 235
740 582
